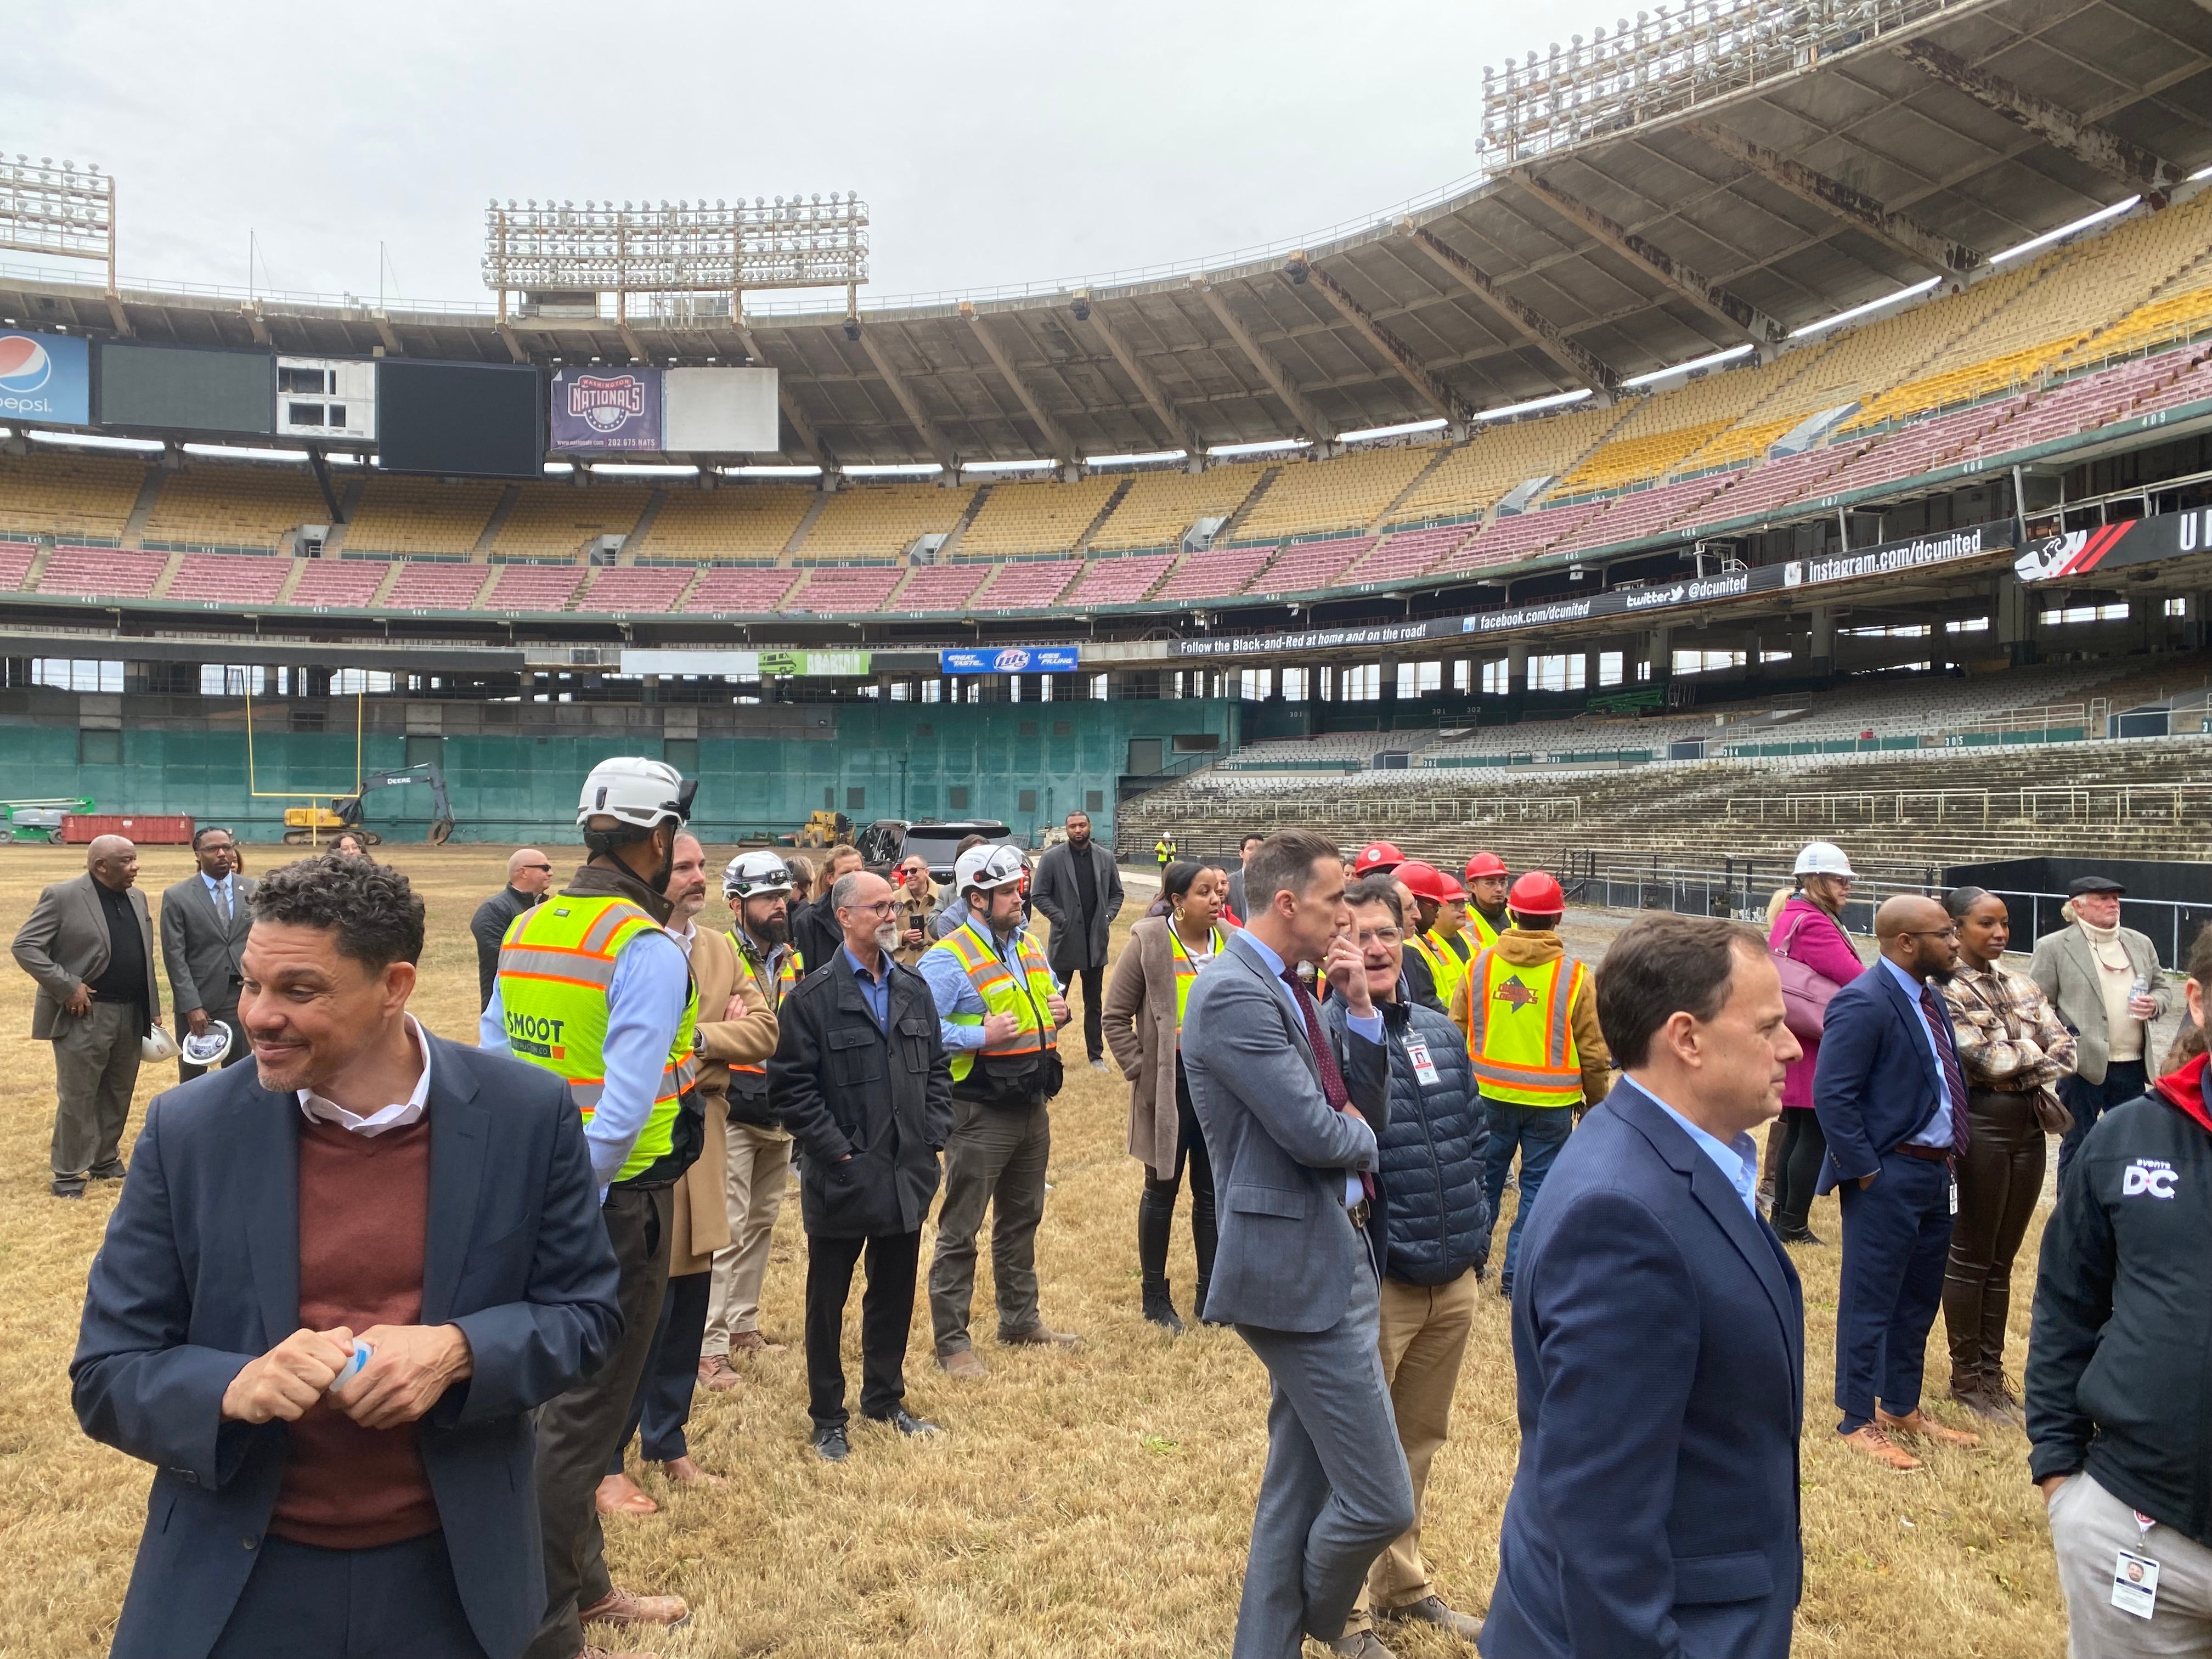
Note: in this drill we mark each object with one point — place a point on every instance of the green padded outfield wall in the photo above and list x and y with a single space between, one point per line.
1028 764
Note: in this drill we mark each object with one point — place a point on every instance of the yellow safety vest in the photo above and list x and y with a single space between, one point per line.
555 966
1003 992
1187 970
1447 963
788 973
1521 1033
1485 936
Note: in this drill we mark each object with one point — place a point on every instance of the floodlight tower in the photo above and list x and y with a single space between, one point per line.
560 251
59 209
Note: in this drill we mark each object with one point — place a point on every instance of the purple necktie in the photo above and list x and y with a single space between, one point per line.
1331 1079
1955 1080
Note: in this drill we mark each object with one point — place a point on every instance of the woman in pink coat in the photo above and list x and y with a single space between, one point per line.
1808 931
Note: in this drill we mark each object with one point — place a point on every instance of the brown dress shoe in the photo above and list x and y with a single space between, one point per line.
753 1342
1039 1338
1917 1421
619 1607
620 1495
717 1375
1435 1610
1871 1442
966 1364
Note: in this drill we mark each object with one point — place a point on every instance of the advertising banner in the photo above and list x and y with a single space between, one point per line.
46 378
604 411
1892 558
720 411
185 388
749 665
1009 660
2074 553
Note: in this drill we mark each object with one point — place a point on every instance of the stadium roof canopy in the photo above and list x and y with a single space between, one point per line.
1916 142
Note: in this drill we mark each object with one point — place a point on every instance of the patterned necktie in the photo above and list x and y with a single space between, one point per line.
1331 1079
1955 1080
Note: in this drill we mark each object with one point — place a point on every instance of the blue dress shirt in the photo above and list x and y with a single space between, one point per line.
875 991
221 892
1938 1130
954 993
1738 1159
645 1008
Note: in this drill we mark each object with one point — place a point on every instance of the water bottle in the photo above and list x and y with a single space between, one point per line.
2140 989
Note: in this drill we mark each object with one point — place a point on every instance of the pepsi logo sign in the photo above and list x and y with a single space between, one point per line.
45 377
25 364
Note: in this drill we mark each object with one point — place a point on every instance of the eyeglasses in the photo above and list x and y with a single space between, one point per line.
538 867
1951 933
887 908
1385 937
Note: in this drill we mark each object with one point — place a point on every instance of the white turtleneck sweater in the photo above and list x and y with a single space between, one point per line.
2115 975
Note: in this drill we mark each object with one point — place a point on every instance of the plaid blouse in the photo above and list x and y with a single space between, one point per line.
2008 1035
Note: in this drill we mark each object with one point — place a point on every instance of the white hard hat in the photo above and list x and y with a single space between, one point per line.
987 867
756 875
157 1045
210 1047
1822 858
636 790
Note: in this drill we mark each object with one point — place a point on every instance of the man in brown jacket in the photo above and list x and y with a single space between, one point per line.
735 1026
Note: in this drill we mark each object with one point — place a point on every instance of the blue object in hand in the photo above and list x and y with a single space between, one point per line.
363 1353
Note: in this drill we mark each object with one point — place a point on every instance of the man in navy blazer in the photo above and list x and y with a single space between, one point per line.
1891 1101
1658 1333
361 1179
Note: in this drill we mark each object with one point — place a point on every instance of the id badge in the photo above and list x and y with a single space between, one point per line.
2135 1584
1954 1194
1424 1068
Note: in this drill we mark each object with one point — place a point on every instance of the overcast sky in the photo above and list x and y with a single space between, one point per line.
994 144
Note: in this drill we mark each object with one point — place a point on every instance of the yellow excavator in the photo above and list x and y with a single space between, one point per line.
303 825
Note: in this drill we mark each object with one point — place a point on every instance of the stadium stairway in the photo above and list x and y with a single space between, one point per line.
1935 805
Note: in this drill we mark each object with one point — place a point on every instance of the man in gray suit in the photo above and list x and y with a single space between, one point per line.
204 922
89 944
1078 888
1290 1124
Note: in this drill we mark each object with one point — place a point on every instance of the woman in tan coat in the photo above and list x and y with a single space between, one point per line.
734 1025
1143 1024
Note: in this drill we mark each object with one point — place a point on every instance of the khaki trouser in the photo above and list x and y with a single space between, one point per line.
96 1069
759 1161
2089 1528
1424 1328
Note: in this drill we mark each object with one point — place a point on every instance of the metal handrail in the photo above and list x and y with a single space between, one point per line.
2080 804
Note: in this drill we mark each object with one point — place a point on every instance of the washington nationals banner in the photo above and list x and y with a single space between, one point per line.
607 411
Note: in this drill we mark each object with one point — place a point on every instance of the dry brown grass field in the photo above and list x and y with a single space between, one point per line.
1090 1503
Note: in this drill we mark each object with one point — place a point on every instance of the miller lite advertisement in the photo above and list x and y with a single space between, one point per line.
606 410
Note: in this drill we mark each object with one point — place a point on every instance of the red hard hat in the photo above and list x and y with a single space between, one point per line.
1536 894
1427 881
1484 863
1376 856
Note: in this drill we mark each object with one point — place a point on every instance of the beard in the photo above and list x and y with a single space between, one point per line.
887 937
774 933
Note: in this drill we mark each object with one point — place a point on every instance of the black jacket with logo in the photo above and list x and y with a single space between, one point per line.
2119 1363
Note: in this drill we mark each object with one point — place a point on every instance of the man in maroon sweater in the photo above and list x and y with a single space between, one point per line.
363 1189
